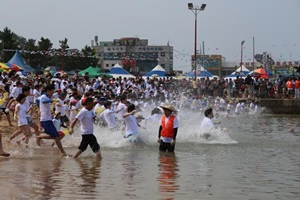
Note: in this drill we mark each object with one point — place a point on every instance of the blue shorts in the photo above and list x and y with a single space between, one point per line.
50 129
29 121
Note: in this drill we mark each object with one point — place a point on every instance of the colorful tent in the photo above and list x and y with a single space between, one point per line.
157 71
14 67
4 67
18 60
117 71
93 72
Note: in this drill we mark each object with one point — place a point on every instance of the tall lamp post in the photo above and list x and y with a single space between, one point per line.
196 10
242 43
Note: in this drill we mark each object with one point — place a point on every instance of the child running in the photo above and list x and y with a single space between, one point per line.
86 118
21 112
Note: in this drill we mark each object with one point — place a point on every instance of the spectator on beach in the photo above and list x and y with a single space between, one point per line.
297 88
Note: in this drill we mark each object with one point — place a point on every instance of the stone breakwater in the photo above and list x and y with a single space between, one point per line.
281 106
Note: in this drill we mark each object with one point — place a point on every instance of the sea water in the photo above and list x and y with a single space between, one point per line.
247 157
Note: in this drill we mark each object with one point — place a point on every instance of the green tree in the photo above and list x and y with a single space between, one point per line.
8 42
63 45
44 44
88 51
30 45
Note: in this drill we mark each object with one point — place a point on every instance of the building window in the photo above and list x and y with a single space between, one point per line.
112 65
162 54
107 65
163 65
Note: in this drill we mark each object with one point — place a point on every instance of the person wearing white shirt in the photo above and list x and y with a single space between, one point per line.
21 111
207 123
61 107
131 124
121 107
86 118
36 93
16 90
109 115
46 118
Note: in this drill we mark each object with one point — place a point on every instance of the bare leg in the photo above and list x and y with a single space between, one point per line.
98 155
60 138
37 133
27 132
78 153
2 152
40 137
59 145
8 119
15 134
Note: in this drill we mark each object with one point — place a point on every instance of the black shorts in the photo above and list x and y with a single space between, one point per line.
3 111
64 119
166 147
89 140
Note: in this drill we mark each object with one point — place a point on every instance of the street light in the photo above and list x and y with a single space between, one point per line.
242 43
195 9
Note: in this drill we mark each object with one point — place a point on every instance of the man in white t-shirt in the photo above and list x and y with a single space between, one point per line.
86 117
207 124
121 107
109 115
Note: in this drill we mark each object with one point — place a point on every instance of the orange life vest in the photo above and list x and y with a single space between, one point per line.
290 84
167 129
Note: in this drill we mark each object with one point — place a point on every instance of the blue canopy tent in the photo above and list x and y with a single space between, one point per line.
202 73
19 60
157 71
117 71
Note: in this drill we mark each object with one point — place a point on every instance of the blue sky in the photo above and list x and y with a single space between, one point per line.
222 26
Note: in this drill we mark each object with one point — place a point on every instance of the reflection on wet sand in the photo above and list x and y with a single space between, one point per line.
90 173
168 168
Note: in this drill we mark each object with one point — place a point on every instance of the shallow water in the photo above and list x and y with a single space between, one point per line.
256 158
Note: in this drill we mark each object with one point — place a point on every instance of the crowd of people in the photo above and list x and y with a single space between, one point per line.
50 106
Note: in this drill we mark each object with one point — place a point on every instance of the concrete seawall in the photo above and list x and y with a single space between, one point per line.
282 106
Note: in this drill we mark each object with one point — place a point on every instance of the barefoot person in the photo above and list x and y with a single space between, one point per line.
21 111
46 118
86 118
2 152
30 122
168 129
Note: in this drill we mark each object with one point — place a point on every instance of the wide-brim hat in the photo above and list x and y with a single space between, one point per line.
168 107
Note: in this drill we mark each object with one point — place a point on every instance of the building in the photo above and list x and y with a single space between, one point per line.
212 63
134 54
217 65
